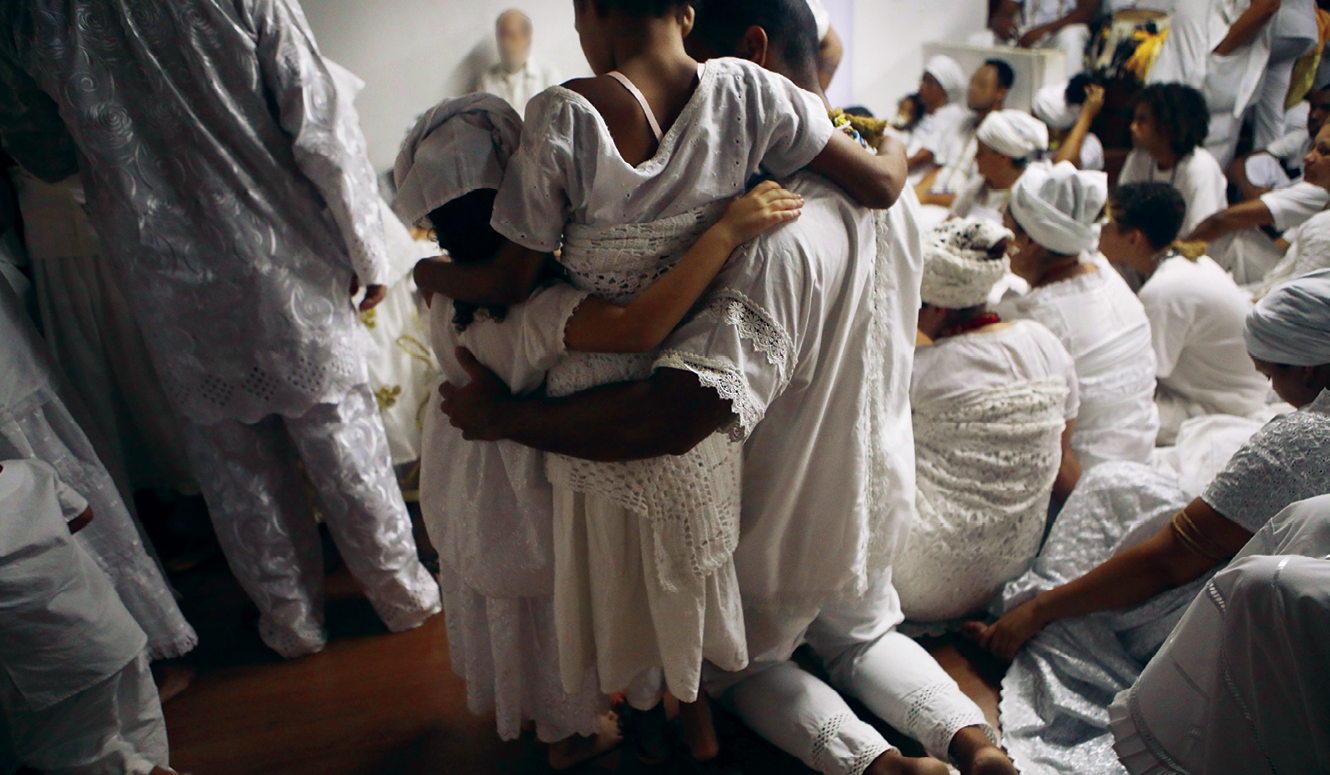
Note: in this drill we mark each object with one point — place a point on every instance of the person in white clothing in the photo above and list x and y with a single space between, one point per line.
1055 24
242 290
1279 164
994 405
988 89
1054 214
1308 244
1167 135
942 91
76 693
1196 311
1008 141
754 361
517 77
1069 110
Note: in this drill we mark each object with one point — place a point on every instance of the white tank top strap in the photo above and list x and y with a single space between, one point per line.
641 100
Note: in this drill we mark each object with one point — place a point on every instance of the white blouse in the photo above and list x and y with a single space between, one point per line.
1197 176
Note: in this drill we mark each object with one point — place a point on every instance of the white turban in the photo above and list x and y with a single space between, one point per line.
457 147
1059 206
1291 326
1013 133
948 73
1050 106
959 271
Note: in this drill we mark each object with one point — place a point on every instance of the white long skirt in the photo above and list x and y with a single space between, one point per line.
612 612
506 650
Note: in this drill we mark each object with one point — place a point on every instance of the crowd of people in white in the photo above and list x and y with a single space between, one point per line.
718 373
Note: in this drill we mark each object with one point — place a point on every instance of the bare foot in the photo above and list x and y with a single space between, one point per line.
172 679
976 755
894 763
577 749
699 731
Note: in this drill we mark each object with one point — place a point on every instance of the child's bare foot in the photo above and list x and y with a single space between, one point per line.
894 763
172 679
699 731
577 749
976 755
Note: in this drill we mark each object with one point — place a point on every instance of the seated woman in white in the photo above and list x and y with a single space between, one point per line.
1241 685
1087 305
1129 552
1196 311
1069 109
1008 141
1167 135
995 406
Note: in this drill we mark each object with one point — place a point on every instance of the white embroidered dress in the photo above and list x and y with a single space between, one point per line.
643 574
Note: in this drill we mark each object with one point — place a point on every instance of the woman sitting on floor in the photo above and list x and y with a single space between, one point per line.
1008 140
995 406
1128 553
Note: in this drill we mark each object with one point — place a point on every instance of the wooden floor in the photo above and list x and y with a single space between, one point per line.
374 702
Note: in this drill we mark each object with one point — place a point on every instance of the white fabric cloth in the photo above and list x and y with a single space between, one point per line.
1291 325
1293 206
252 481
1237 686
1252 257
980 201
1291 147
517 87
456 147
1059 206
821 18
959 273
1013 133
1104 327
990 408
1308 251
949 74
1204 447
1072 40
1050 106
956 155
1196 315
35 425
1197 176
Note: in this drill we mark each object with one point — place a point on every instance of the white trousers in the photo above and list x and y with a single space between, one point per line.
867 659
252 481
111 728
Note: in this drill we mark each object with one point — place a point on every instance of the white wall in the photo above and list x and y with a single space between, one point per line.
413 53
888 44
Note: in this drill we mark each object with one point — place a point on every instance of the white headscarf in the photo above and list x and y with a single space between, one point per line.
1291 326
1059 206
948 73
1013 133
958 271
457 147
1050 106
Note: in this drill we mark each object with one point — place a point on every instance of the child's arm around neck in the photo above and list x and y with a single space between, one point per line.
875 182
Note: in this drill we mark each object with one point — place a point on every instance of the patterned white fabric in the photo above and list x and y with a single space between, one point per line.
959 271
250 477
1197 176
986 464
235 209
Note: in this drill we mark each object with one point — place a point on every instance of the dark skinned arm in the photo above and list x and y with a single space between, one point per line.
1237 175
922 159
1248 26
1069 470
874 182
1248 215
508 279
667 414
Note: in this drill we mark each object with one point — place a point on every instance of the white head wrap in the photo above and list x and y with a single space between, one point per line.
948 73
1050 106
1291 326
1013 133
958 269
1059 206
457 147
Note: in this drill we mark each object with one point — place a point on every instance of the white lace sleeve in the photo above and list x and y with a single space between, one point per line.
326 140
791 123
739 343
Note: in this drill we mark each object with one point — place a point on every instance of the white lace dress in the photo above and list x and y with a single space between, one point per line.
989 411
644 582
487 506
1104 327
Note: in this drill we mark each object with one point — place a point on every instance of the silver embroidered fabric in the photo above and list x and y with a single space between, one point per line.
985 465
227 179
252 479
692 500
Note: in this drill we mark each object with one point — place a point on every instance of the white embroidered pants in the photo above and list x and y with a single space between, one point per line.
252 482
111 728
867 659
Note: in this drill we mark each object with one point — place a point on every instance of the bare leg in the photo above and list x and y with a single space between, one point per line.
699 731
574 750
975 754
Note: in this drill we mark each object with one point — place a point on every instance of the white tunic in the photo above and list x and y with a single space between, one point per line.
234 208
1104 327
1197 176
978 200
1196 315
517 87
1309 250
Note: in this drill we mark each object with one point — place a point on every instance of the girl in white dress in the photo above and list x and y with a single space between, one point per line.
623 172
487 505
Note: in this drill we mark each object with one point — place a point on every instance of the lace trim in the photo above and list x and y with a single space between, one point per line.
754 325
935 724
727 382
823 760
